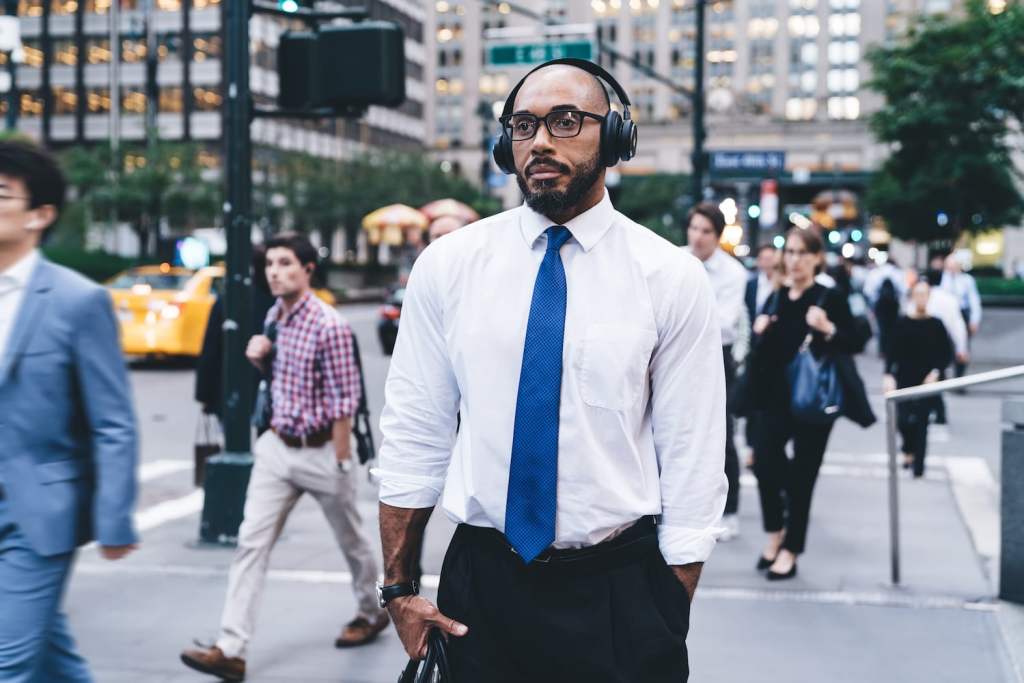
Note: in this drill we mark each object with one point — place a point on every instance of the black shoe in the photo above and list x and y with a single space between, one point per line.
763 563
775 576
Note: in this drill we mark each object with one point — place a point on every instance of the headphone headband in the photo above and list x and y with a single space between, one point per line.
585 65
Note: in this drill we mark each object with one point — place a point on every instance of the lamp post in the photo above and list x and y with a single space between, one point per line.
699 133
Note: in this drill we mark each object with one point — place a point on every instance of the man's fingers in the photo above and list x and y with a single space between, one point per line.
450 626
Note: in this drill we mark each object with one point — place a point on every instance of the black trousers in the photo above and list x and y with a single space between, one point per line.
912 420
615 614
732 459
785 486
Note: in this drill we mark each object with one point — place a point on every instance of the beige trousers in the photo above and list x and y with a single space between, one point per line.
280 475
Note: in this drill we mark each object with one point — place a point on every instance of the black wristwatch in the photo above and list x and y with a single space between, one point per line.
386 594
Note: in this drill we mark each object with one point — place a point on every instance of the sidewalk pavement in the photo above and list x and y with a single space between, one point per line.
839 621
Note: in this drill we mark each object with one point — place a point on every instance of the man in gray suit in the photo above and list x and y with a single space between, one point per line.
67 428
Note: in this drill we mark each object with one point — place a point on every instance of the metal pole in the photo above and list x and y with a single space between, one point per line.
228 474
13 98
697 162
152 104
894 507
115 104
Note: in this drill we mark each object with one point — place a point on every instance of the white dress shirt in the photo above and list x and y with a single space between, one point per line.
964 289
13 282
943 306
642 416
729 282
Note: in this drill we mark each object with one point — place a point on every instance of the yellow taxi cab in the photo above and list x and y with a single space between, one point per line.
163 310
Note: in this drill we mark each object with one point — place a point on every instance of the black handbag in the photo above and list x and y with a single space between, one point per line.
816 390
434 667
361 428
263 410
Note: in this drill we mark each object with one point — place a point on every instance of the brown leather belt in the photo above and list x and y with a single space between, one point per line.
314 440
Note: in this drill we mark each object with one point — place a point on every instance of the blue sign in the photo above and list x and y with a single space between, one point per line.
748 163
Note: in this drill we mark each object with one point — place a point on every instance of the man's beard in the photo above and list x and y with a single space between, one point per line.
550 202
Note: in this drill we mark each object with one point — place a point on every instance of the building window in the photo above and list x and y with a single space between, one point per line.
65 52
97 100
169 5
133 101
31 103
132 50
801 108
30 8
206 46
63 7
65 101
843 108
169 46
203 4
206 99
97 51
103 6
33 54
171 100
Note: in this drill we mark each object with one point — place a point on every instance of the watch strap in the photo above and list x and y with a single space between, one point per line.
397 590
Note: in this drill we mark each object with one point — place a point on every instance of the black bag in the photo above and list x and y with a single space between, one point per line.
361 428
263 411
434 667
741 401
205 445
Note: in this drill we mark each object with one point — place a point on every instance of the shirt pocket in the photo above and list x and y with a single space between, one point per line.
613 364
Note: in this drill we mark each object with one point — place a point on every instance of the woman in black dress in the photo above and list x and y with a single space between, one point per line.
919 348
799 308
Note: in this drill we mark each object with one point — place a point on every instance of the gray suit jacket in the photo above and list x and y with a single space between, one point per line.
68 444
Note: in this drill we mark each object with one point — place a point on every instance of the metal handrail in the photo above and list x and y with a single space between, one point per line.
910 393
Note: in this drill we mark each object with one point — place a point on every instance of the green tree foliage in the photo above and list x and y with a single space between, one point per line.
146 187
953 90
657 201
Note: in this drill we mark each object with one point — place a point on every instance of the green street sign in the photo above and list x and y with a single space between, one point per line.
538 53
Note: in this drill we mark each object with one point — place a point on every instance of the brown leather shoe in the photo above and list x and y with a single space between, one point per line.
360 631
210 660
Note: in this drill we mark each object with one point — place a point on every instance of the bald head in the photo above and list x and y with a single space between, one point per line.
586 89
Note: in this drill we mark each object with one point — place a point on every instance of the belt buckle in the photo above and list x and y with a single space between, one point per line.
540 558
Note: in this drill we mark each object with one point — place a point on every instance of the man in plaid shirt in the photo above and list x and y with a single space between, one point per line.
315 392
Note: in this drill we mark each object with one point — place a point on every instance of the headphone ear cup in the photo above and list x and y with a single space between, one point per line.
627 141
610 135
502 154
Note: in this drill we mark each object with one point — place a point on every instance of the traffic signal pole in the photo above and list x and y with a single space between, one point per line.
697 162
227 474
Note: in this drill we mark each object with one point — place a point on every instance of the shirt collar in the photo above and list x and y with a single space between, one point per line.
19 273
300 308
588 228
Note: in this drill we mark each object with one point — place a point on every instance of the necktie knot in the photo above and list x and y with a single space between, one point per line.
557 236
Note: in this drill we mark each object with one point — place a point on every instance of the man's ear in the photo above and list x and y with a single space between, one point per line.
42 217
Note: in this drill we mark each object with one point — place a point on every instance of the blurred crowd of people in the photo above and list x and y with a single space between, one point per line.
800 299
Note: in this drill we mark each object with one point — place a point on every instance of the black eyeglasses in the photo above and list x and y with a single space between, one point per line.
560 124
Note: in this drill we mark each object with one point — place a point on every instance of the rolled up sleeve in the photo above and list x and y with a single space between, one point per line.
421 397
688 417
341 376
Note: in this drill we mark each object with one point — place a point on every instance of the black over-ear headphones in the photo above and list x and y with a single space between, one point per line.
618 133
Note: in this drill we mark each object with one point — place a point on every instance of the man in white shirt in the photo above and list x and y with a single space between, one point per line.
729 281
580 350
962 287
761 283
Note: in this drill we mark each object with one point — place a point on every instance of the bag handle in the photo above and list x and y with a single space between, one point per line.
437 658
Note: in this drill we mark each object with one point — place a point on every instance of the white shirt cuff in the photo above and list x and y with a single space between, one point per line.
682 545
408 490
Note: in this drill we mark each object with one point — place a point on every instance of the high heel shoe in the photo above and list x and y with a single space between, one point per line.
775 576
763 563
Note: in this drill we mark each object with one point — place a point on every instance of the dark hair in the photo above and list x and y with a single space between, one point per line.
812 241
298 243
765 247
38 169
710 211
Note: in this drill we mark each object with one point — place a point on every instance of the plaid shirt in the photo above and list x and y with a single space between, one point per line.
315 380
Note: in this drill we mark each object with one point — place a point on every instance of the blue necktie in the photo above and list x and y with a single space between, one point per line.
533 474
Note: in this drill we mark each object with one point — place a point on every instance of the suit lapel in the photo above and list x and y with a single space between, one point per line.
33 306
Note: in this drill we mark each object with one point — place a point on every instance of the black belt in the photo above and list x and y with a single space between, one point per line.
632 543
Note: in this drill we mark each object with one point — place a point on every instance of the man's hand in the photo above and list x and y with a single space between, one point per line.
761 323
962 357
258 349
688 575
973 328
117 552
414 616
888 384
932 377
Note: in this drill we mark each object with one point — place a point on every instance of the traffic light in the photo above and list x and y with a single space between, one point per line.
342 67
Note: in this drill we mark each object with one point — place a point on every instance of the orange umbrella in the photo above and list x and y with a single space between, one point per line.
388 223
449 207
